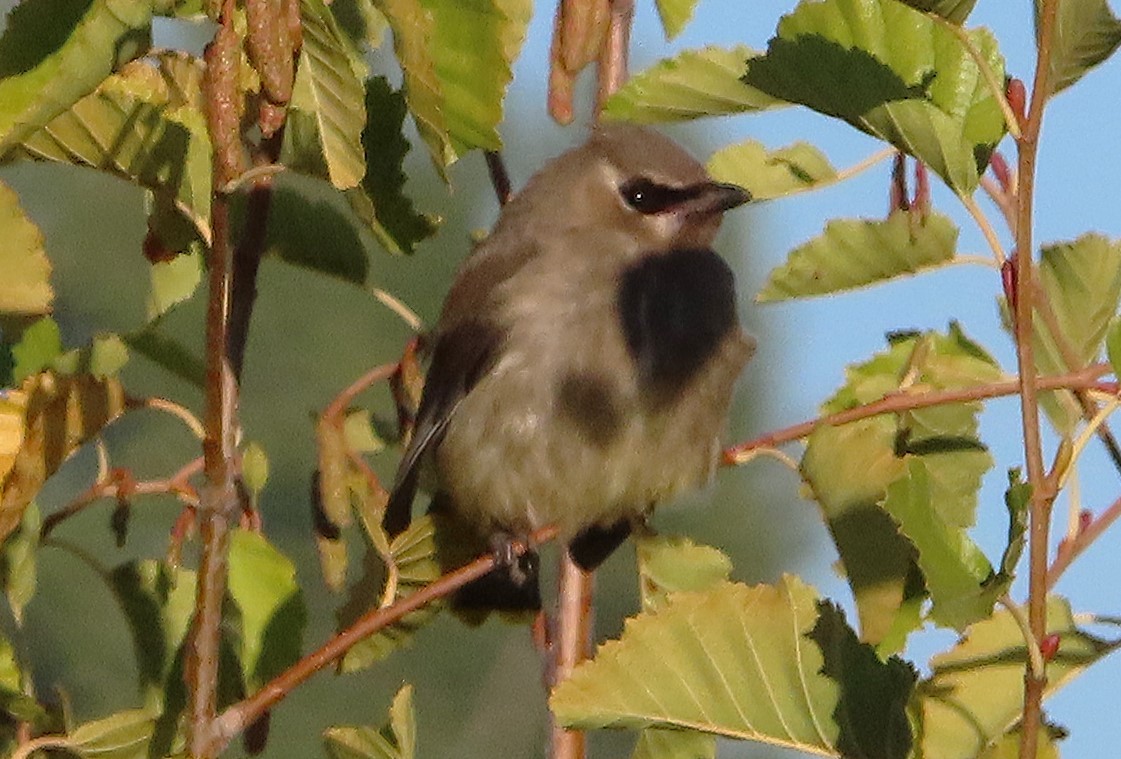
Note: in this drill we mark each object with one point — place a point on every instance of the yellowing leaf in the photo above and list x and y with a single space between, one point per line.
695 83
854 253
772 174
25 287
44 421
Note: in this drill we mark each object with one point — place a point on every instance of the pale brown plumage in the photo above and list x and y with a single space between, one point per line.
586 353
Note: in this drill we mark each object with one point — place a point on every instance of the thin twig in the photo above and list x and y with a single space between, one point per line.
909 401
1035 656
238 716
1070 549
339 404
986 228
399 307
1001 199
499 177
1041 499
171 407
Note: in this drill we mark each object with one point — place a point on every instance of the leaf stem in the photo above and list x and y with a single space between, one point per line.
995 87
986 228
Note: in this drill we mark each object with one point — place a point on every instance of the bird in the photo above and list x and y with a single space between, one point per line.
584 360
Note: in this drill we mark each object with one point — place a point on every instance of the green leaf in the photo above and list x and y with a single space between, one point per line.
144 124
975 692
894 73
656 743
675 15
14 703
174 281
38 348
397 740
1017 499
955 570
414 553
853 253
732 661
323 136
263 586
1113 345
381 202
254 467
55 52
871 711
106 356
671 564
1086 33
474 46
694 83
850 468
158 603
1081 280
772 174
413 29
168 353
26 285
954 11
18 562
124 735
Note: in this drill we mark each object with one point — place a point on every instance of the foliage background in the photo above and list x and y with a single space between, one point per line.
313 335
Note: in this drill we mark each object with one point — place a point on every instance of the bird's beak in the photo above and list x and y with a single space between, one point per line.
713 198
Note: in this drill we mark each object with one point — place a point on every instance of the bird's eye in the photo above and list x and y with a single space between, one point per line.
648 197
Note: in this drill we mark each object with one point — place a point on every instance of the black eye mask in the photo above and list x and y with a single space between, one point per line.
648 197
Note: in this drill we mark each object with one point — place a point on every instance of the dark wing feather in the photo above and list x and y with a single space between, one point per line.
463 355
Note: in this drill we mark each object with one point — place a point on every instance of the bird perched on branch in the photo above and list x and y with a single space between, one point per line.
584 359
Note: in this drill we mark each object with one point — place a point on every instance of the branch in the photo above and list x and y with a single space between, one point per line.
242 714
1071 548
1041 498
902 400
499 177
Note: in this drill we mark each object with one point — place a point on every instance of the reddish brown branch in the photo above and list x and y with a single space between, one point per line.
1024 308
1086 379
237 717
1071 548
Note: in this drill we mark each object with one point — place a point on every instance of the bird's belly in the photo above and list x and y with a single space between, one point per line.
581 450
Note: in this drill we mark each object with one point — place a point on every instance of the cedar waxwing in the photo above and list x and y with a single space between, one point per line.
584 359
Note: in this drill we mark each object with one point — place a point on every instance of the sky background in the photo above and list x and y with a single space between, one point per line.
93 228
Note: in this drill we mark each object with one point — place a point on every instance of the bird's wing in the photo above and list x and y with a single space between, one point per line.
463 355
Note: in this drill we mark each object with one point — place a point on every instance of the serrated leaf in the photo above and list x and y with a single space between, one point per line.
414 28
38 348
124 735
850 468
954 569
1081 281
381 202
56 415
954 11
894 73
158 603
671 564
169 353
55 52
871 712
323 136
174 281
397 740
975 692
692 84
474 46
772 174
272 612
26 285
1086 34
655 743
18 559
414 553
854 253
144 124
733 661
675 15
